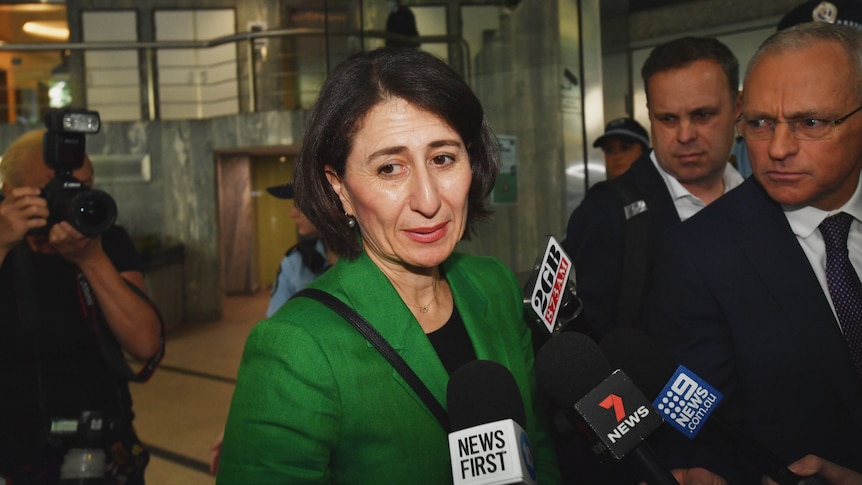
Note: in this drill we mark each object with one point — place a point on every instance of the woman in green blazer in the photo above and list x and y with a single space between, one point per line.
396 163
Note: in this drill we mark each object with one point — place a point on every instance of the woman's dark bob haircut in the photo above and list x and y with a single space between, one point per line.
350 91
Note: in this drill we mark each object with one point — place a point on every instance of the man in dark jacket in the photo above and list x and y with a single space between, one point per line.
692 97
759 293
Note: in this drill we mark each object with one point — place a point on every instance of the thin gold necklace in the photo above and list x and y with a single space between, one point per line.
424 308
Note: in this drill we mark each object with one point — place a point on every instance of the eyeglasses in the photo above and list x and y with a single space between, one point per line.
800 128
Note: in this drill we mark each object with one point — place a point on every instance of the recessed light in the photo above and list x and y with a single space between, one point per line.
52 29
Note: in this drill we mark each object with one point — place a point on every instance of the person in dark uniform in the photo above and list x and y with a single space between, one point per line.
838 12
623 142
401 21
303 262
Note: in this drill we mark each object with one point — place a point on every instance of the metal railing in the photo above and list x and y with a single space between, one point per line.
285 73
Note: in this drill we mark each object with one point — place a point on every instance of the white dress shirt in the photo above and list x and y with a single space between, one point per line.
686 203
804 221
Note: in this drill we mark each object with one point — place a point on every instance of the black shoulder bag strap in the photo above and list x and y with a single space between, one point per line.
383 347
636 257
31 316
113 354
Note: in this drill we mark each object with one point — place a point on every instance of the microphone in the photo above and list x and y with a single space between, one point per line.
550 289
688 403
572 370
488 444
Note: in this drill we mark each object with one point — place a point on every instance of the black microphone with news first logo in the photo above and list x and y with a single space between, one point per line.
685 401
572 370
550 289
488 444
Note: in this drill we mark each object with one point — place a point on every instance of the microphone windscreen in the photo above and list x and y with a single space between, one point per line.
569 366
644 359
482 391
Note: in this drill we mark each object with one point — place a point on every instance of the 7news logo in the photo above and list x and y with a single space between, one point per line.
620 416
687 401
624 422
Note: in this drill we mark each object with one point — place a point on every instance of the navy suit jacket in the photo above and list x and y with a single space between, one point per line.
594 239
738 303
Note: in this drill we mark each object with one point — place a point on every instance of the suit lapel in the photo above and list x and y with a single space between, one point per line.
367 290
802 308
770 247
476 313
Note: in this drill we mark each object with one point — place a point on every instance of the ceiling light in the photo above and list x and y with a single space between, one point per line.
52 29
32 7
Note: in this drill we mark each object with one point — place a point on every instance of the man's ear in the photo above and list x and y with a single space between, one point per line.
340 189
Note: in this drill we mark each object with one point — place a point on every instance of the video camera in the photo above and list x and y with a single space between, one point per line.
84 438
91 212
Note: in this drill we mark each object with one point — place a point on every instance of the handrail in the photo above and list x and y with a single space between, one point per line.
242 36
149 47
216 41
173 44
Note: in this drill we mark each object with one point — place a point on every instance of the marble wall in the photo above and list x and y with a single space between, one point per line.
518 75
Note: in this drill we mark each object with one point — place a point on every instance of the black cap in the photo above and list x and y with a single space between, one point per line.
284 191
838 12
624 128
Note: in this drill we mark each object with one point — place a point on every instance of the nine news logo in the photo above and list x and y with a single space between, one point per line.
687 401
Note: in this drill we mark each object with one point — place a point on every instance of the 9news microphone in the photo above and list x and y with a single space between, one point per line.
571 369
488 444
687 402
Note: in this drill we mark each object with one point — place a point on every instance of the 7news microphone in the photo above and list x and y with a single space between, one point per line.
572 370
687 402
488 444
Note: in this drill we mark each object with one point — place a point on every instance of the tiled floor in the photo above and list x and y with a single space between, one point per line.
182 409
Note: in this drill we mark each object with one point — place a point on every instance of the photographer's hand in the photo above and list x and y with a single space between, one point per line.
74 246
131 319
22 210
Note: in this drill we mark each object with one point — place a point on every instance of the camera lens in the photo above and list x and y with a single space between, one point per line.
92 212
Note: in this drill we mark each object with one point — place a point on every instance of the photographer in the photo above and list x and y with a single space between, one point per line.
60 348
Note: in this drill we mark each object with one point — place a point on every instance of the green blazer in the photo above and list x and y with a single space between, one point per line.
316 403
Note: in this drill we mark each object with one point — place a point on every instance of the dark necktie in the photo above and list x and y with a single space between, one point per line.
843 283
